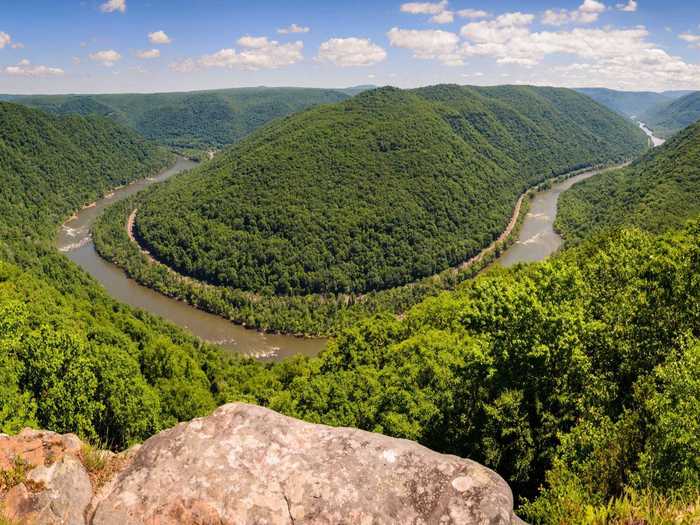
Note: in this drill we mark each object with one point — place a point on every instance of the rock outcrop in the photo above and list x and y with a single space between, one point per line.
248 465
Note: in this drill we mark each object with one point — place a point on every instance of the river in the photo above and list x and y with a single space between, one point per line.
74 240
537 239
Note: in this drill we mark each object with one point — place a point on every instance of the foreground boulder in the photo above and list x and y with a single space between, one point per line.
249 465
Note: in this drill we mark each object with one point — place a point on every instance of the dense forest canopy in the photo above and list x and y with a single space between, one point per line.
376 191
675 115
50 166
631 103
660 191
191 122
580 374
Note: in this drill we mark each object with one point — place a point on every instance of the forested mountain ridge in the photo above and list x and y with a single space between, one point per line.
376 191
628 103
579 374
658 192
190 122
50 166
675 115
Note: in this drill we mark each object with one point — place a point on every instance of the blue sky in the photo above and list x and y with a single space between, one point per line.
90 46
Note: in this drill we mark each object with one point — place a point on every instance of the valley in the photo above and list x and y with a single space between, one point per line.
74 239
581 364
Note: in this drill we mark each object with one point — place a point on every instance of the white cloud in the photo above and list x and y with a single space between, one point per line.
258 53
113 5
159 38
446 17
17 45
107 57
350 52
148 53
588 12
24 68
427 43
293 29
424 8
624 58
184 66
4 39
693 40
629 7
441 14
76 60
473 14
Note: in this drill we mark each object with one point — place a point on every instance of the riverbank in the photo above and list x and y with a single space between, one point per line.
75 241
310 316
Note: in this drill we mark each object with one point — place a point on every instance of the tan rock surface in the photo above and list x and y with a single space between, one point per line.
246 464
249 465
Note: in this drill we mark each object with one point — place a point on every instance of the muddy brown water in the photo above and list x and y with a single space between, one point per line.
537 240
75 241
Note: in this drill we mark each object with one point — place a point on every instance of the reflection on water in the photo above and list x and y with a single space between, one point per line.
74 240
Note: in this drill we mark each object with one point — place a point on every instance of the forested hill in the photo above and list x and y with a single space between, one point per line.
669 118
376 191
50 166
628 103
657 193
191 122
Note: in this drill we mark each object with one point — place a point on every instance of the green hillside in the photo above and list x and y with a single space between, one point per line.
377 191
628 103
658 192
50 166
579 374
670 118
191 121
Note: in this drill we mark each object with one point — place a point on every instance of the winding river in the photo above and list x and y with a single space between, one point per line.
536 241
74 240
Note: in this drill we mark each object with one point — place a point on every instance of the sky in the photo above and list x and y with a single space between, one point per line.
116 46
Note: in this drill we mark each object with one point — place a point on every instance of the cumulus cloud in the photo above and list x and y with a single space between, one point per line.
184 66
18 45
692 39
351 52
473 14
257 53
24 68
113 5
107 57
604 56
293 29
629 7
4 39
159 38
441 13
588 12
424 8
148 53
427 43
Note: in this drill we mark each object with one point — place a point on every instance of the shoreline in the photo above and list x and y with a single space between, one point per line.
373 301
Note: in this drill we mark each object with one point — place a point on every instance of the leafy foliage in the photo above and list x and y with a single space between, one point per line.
190 122
384 189
51 166
675 115
658 192
628 103
580 374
